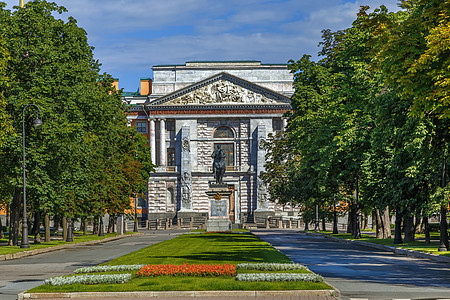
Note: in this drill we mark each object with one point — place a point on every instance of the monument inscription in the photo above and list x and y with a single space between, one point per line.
218 208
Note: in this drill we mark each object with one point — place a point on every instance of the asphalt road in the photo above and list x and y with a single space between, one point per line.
23 274
360 272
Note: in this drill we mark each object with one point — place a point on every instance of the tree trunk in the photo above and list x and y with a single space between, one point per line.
357 213
2 235
85 225
95 226
349 222
357 226
409 228
386 221
374 219
324 228
426 230
64 228
443 237
14 223
56 221
47 227
306 226
111 223
417 223
82 225
37 226
379 225
398 227
364 221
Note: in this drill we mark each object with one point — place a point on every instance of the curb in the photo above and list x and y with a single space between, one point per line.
405 252
179 294
60 247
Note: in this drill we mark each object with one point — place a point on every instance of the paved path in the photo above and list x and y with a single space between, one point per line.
361 272
22 274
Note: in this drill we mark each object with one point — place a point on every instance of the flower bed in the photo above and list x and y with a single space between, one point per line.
108 268
279 277
187 270
270 267
89 279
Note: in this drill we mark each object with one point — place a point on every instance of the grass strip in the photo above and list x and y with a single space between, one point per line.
208 248
77 239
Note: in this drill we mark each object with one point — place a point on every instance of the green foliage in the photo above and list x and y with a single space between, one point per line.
85 147
370 119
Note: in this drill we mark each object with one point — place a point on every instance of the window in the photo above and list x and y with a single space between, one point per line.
142 202
141 127
228 149
170 125
171 157
170 196
223 132
277 124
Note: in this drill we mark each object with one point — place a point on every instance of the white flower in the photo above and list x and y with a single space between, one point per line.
108 268
270 267
89 279
279 277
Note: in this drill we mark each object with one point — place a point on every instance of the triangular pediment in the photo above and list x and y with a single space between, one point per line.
222 89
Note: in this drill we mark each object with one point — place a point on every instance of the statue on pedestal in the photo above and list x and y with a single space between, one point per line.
218 164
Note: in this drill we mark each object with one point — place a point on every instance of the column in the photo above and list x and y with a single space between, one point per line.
152 140
186 175
162 142
261 190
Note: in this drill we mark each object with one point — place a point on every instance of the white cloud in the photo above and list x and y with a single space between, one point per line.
131 36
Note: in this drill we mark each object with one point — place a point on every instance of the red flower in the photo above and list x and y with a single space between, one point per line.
187 270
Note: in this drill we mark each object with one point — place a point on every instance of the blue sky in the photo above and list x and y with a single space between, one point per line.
132 36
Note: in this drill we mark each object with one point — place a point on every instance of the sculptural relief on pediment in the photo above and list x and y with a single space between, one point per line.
221 92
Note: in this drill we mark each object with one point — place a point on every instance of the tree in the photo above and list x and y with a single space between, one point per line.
409 49
51 64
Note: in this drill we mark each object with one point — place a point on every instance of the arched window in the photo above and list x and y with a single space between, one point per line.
223 132
170 196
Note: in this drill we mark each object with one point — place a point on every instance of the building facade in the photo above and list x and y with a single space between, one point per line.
187 111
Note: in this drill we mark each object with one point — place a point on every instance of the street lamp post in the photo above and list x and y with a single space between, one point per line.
37 122
135 213
335 226
69 227
100 223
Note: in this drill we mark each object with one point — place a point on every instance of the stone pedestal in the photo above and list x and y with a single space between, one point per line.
219 219
218 225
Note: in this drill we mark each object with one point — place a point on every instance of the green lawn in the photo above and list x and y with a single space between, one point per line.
77 239
208 248
418 245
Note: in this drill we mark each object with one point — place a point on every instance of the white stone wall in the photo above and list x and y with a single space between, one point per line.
199 198
158 198
169 79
